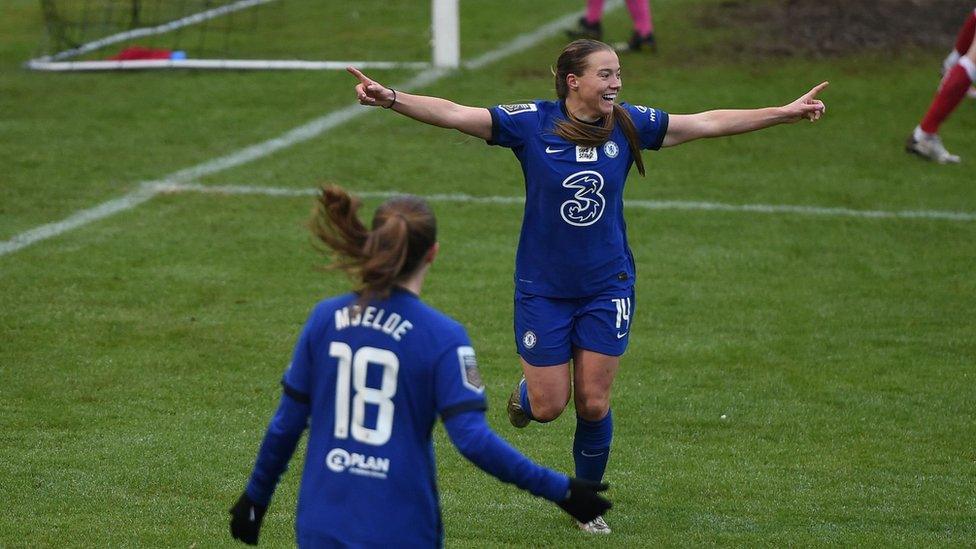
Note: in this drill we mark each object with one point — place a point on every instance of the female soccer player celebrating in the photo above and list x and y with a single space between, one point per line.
372 370
574 273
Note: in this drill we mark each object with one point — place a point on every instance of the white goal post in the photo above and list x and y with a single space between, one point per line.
446 49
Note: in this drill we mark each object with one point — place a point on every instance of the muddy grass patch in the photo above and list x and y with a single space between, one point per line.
833 28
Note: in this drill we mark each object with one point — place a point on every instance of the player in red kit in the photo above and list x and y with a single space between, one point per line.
959 73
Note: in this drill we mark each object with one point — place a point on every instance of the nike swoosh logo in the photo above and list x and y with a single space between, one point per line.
550 151
252 515
584 454
620 335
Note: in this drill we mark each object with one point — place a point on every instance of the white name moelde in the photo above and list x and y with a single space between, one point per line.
391 324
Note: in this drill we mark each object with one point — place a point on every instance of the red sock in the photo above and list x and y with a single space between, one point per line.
951 92
965 38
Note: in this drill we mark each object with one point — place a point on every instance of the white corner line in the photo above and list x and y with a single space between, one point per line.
143 193
147 189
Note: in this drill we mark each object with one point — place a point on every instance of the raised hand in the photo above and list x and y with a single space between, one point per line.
807 105
370 92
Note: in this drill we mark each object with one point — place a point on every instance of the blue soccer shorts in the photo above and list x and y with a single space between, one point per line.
547 329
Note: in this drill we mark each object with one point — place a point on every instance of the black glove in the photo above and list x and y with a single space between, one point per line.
584 502
245 519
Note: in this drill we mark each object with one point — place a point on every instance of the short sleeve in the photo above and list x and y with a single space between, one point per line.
458 385
511 124
297 381
651 124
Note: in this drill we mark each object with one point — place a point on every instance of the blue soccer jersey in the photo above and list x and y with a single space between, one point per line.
372 382
573 241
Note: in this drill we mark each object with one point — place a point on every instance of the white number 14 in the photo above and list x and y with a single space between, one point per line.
623 310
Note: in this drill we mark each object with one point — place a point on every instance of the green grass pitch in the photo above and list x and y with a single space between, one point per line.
792 379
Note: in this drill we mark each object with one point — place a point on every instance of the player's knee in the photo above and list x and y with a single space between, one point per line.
592 408
545 413
547 405
547 409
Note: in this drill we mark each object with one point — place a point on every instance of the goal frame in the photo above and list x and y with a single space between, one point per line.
445 54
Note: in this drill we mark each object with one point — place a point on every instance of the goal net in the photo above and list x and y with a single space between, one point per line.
86 35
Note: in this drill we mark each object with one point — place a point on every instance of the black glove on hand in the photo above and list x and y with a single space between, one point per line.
584 502
245 519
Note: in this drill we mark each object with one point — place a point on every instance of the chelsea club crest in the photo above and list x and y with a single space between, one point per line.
611 149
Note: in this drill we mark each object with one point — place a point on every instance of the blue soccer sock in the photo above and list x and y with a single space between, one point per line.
524 399
591 447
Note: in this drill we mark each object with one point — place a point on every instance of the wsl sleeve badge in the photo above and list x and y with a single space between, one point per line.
470 375
516 108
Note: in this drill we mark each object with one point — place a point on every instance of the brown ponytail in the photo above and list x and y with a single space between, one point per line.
572 60
403 231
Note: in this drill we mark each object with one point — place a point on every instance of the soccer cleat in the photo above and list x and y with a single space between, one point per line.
595 526
584 29
516 414
637 43
930 147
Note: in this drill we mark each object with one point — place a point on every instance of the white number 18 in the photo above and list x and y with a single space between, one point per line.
355 365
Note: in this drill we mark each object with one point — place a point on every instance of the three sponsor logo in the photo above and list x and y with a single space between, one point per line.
588 203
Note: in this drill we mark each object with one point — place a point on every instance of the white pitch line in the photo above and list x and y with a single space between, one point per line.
78 219
630 204
804 210
147 189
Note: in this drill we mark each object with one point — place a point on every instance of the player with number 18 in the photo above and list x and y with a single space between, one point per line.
371 372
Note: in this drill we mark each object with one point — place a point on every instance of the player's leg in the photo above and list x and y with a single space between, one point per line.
542 335
589 25
593 375
600 336
963 40
542 395
594 11
924 140
643 36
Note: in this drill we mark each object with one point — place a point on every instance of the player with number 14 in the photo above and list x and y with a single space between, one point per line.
574 272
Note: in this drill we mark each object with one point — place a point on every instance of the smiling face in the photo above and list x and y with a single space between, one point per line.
592 94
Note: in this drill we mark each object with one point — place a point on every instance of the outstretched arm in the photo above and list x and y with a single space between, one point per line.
476 441
687 127
432 110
